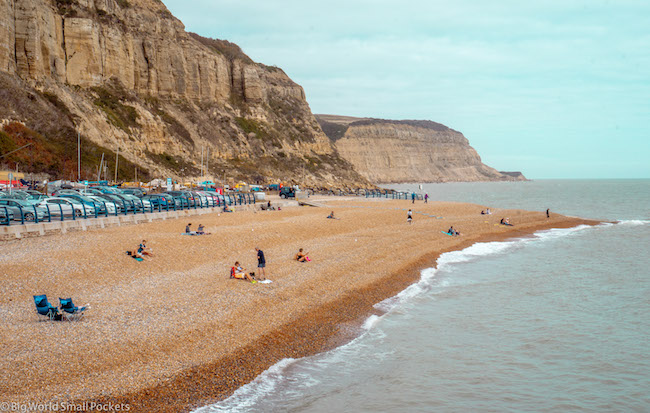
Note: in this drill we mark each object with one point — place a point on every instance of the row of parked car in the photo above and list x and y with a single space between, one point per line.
29 205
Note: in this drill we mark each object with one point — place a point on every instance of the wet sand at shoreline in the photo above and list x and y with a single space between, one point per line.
174 332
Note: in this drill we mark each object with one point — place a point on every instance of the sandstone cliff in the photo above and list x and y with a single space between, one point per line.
125 73
387 151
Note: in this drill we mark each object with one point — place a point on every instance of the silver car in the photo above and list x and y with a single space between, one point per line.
66 206
21 208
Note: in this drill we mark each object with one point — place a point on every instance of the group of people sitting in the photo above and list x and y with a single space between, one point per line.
199 231
452 231
238 272
486 212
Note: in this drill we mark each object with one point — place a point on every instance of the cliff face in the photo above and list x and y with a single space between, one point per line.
125 73
387 151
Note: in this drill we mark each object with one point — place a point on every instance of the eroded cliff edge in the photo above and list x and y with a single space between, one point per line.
125 73
391 151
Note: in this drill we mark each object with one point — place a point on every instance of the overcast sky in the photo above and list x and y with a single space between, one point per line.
555 89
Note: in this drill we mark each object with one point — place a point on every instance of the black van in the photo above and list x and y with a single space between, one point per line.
287 192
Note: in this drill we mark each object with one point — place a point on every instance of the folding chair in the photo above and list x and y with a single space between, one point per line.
45 309
70 311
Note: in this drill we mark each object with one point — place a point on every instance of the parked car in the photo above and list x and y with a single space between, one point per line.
139 192
212 198
107 189
91 191
3 216
201 199
21 208
82 199
15 194
66 206
160 199
139 203
287 192
103 205
59 192
118 201
182 198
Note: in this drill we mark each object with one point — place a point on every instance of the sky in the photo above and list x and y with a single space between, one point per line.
553 88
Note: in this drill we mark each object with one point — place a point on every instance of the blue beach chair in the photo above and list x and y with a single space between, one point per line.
71 311
45 309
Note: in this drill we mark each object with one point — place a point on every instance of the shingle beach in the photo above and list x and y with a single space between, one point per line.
174 333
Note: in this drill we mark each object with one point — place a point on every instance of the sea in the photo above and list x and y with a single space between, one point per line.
554 322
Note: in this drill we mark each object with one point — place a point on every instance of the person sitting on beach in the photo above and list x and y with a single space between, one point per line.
452 231
201 230
188 229
482 212
331 215
239 272
487 212
226 209
301 256
143 250
506 221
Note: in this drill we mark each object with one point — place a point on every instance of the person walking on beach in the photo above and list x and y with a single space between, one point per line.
548 213
261 263
426 198
409 217
413 197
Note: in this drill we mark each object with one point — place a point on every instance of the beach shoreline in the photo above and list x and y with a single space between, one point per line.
320 321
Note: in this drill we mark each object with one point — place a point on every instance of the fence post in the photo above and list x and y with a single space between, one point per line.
7 216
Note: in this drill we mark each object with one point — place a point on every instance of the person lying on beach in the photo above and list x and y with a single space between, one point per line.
506 221
301 256
239 272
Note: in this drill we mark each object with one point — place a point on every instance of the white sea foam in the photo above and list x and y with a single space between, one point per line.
250 394
370 322
633 222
